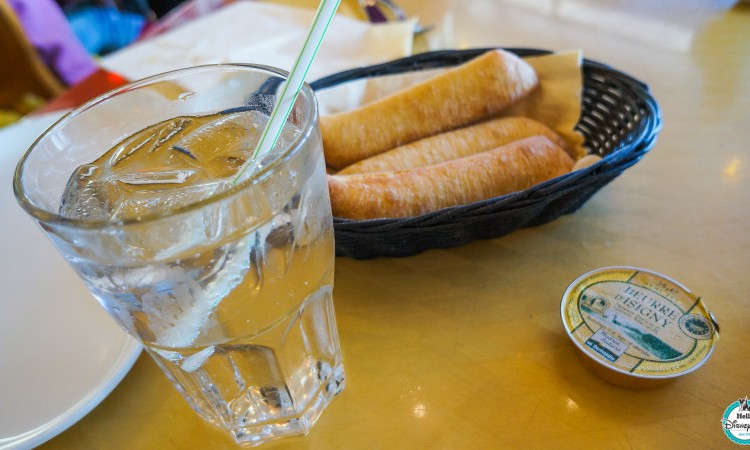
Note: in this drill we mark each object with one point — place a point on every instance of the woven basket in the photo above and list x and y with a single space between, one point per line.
619 119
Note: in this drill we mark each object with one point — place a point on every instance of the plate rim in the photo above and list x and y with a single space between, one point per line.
128 354
125 348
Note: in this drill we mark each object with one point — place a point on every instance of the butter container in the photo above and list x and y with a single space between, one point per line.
637 328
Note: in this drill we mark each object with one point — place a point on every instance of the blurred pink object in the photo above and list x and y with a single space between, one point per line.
50 33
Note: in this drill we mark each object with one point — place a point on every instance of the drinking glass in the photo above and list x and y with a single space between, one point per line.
227 285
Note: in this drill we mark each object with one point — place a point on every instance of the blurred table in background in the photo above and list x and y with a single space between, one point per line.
223 36
464 347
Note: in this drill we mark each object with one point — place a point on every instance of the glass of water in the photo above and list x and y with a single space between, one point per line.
227 285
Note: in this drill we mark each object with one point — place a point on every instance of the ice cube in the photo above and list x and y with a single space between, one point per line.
177 314
89 197
167 166
222 146
195 361
140 202
166 177
146 142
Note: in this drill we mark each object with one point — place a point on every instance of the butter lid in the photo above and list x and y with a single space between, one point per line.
637 328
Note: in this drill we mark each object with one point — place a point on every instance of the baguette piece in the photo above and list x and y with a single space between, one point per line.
462 95
456 144
411 192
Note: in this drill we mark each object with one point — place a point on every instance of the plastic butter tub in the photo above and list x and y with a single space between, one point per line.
637 328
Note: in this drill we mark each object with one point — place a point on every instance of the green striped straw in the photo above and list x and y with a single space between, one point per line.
293 84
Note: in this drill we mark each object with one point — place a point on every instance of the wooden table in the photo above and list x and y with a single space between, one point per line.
464 348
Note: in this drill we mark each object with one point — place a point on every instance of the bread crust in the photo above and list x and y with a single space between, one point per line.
456 144
412 192
462 95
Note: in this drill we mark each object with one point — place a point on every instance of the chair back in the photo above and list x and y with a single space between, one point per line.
22 71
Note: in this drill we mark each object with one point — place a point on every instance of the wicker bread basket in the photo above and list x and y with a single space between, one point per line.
619 119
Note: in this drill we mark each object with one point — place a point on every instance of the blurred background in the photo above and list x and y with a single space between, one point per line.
48 45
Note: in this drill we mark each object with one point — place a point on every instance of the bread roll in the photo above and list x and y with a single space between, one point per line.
462 95
411 192
456 144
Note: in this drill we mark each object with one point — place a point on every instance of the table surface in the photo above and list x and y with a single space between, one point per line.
464 347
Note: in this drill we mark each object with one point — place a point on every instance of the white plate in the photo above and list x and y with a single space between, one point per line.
60 353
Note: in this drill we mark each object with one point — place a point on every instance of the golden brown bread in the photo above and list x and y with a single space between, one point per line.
462 95
411 192
456 144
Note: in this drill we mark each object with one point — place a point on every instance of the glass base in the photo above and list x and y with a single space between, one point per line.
257 434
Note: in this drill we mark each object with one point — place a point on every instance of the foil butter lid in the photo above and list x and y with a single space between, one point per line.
637 328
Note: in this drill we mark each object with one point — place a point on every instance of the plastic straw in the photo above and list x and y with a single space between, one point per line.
293 84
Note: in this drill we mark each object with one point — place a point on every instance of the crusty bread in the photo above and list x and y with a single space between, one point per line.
411 192
456 144
459 96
